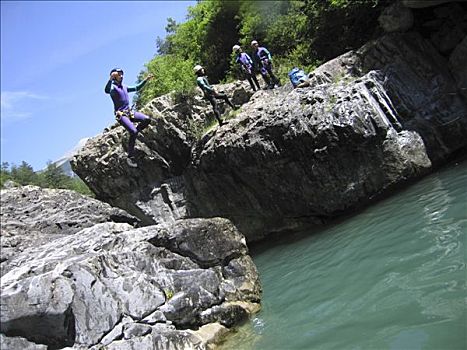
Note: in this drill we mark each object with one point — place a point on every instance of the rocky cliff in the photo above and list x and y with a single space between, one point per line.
101 283
372 119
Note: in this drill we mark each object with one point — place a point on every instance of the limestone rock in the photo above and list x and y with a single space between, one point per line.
154 191
10 343
32 216
396 18
458 65
112 286
372 119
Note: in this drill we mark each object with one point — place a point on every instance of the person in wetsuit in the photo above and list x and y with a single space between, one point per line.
264 60
210 94
123 113
246 63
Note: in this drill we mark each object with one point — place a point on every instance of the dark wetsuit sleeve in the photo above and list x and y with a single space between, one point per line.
137 87
203 84
263 53
108 86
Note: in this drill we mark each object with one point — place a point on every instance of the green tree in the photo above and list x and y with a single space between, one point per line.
258 18
297 32
5 174
164 46
24 174
337 26
51 177
172 74
76 184
54 177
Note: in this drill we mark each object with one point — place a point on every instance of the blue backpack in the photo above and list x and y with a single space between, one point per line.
297 76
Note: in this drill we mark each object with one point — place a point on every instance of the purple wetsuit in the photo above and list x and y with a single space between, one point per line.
245 61
263 57
121 100
247 66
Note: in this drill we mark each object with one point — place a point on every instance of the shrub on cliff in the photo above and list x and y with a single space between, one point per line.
298 33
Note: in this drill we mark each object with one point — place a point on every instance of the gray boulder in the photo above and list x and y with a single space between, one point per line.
32 216
9 343
113 286
396 18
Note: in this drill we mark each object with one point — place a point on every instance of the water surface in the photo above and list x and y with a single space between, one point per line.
392 277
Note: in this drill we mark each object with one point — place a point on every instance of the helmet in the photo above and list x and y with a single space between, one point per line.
254 42
118 70
197 68
235 48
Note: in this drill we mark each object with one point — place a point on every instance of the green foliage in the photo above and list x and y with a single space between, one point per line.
54 177
258 18
51 177
220 36
78 185
336 26
4 173
24 174
171 73
297 33
168 293
348 3
286 33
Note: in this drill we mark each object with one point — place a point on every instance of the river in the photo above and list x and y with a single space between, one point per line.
391 277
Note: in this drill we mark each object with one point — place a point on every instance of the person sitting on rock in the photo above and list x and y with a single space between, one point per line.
210 94
247 66
264 60
123 113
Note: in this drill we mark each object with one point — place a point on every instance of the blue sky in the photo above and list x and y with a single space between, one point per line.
55 61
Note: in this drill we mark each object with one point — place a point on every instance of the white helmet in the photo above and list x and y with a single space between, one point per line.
235 48
254 42
197 68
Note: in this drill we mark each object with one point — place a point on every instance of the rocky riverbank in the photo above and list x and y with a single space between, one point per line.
109 285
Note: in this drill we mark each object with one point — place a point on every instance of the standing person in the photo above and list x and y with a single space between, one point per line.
123 113
209 93
264 59
247 66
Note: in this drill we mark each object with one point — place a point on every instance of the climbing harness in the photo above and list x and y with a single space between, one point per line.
129 113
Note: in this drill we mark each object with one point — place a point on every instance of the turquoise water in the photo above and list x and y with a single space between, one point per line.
392 277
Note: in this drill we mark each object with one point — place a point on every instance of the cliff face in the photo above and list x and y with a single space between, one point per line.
372 118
